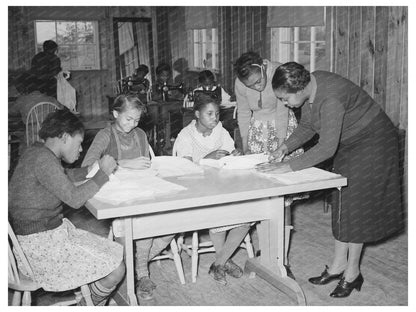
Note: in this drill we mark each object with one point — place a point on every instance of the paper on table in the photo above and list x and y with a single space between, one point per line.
93 170
172 166
305 175
127 186
236 162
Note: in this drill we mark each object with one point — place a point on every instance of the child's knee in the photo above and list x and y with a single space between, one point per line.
118 274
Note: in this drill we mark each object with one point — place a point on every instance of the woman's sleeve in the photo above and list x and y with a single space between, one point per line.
243 110
51 175
225 97
332 117
97 148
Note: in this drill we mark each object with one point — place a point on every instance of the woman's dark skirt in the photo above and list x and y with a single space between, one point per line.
369 208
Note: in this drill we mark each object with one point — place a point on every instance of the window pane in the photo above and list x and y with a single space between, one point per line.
45 31
85 32
304 54
320 33
66 32
86 56
304 34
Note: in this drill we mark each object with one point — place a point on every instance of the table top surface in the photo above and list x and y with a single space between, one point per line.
214 187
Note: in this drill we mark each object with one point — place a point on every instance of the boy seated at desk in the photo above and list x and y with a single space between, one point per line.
205 137
208 84
128 145
164 80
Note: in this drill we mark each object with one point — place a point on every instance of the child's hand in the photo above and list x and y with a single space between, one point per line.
138 163
107 164
236 152
218 154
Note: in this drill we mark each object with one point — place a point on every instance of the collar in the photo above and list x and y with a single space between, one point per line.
314 87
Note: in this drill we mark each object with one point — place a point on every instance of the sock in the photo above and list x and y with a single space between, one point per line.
142 257
234 238
99 294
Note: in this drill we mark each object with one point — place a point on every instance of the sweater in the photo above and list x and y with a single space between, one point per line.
272 108
39 187
119 146
339 111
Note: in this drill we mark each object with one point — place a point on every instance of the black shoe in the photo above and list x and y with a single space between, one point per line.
344 288
218 273
325 277
233 269
144 288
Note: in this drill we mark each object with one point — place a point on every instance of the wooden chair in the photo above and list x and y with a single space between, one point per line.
20 283
173 254
35 117
197 248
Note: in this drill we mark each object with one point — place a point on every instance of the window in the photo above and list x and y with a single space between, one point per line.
77 41
305 45
205 49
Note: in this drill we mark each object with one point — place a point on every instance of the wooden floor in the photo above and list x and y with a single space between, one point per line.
384 267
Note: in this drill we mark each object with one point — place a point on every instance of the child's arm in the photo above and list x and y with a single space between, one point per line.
97 148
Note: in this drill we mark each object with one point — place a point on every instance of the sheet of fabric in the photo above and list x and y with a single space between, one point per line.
305 175
171 166
236 162
126 185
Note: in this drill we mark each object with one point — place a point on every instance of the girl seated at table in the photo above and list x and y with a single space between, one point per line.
61 256
205 137
128 144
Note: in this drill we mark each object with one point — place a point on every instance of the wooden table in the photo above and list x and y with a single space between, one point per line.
218 198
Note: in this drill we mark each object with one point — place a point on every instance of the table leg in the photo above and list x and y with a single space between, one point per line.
270 265
129 259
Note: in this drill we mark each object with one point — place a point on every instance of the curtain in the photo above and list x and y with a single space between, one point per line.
295 16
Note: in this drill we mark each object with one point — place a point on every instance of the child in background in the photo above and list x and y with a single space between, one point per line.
206 138
129 146
140 83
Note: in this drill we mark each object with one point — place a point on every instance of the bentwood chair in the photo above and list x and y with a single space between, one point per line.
35 117
22 284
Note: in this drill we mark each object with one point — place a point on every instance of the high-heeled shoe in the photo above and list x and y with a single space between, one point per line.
345 288
325 277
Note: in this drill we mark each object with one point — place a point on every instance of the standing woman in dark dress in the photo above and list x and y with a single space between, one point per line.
364 143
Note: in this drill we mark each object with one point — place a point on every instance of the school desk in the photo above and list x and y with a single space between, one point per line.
217 198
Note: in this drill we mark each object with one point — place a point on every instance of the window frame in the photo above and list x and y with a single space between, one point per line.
194 53
282 44
96 43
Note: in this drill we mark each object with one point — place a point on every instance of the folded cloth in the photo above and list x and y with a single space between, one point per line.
236 162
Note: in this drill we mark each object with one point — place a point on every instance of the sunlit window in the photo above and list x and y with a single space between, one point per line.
77 42
205 48
305 45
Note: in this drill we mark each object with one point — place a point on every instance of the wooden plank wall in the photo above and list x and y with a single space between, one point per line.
370 45
240 29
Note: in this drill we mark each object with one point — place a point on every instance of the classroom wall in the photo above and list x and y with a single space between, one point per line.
92 87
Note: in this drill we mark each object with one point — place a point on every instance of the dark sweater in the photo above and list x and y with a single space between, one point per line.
339 111
40 186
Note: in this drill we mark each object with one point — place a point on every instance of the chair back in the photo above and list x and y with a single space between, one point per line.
14 247
35 117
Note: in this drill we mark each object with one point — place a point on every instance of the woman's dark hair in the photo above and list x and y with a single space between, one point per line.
203 99
243 66
291 77
206 76
163 67
126 101
59 122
